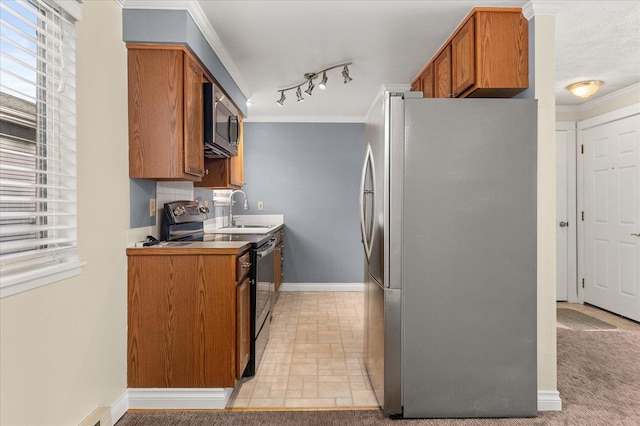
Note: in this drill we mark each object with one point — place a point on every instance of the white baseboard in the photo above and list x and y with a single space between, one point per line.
217 398
322 287
179 398
549 401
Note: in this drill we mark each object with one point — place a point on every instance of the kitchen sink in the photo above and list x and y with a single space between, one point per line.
244 229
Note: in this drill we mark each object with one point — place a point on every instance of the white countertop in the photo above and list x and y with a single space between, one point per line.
259 224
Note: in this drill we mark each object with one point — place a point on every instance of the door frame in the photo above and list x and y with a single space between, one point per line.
573 293
581 126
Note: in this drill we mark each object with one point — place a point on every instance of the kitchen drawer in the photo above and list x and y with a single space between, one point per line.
243 264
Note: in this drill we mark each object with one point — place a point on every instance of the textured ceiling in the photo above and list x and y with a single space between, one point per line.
597 40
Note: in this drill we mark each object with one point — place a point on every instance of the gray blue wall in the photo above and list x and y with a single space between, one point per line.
140 191
310 172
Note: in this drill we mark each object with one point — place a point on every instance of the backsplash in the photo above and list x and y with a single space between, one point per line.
167 191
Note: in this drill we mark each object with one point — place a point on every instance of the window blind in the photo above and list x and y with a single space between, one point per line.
38 235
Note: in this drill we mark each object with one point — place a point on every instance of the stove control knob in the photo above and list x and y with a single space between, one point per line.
179 211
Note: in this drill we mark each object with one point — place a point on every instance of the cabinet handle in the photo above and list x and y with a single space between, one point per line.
206 172
246 264
635 235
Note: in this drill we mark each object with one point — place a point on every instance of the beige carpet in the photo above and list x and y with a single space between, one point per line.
598 380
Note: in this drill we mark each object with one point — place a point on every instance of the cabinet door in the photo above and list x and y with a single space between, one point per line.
155 113
426 82
442 73
463 58
182 321
243 326
193 113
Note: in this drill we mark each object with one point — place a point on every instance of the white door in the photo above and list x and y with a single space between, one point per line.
562 218
612 216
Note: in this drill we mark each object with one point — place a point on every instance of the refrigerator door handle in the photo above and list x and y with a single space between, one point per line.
367 199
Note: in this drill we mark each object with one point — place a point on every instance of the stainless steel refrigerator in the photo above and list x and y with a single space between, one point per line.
448 217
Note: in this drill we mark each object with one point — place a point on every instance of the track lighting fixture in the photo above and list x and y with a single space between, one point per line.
309 77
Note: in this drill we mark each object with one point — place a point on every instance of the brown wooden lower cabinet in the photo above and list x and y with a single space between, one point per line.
188 320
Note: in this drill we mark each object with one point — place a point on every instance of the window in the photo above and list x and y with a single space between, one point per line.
38 238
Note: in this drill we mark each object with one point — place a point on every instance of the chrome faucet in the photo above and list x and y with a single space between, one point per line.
246 205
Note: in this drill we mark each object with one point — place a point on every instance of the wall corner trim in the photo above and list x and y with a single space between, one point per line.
549 401
120 407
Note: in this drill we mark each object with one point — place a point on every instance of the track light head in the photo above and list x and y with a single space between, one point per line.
299 95
323 83
310 88
345 74
282 98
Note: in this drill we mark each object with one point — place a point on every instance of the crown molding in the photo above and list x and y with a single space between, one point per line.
595 103
205 27
542 8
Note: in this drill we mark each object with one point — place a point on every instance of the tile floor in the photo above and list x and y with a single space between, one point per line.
314 358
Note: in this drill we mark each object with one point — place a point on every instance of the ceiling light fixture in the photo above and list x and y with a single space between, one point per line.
309 77
584 89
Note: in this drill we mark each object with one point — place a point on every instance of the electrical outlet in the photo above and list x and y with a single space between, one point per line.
260 205
152 207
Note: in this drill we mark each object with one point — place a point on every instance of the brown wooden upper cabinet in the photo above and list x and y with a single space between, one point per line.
487 56
165 113
424 83
225 173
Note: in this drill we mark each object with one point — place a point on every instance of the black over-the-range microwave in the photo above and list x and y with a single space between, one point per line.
220 124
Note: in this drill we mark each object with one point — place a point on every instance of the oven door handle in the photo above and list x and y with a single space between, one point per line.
268 250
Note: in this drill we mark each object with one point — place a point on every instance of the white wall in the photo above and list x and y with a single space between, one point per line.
63 346
544 87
